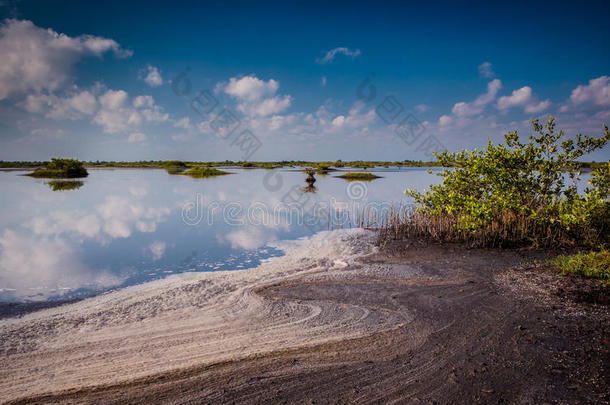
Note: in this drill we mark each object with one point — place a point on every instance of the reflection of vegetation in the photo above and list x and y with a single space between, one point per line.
309 189
359 176
63 185
310 176
322 166
516 193
175 170
202 171
593 265
61 168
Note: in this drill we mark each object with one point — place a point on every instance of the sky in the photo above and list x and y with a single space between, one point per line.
262 81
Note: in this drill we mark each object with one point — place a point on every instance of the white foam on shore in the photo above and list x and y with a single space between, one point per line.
184 320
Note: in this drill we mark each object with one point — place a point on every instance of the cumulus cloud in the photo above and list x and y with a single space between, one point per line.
338 121
357 118
464 109
113 99
485 70
143 101
257 97
116 115
251 88
534 108
445 121
518 97
40 60
152 76
73 106
594 94
330 55
522 97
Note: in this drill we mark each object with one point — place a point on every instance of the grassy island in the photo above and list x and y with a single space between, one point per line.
359 176
61 169
201 171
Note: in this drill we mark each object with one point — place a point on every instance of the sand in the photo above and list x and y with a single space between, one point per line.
332 321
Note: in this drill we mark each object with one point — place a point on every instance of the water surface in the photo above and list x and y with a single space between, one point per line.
127 226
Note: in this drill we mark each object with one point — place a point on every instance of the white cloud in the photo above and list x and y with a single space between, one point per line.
113 99
266 107
330 55
251 88
153 76
116 115
518 97
338 121
143 101
594 94
73 106
444 120
464 109
535 108
136 137
485 70
257 97
157 249
37 60
323 81
154 114
523 97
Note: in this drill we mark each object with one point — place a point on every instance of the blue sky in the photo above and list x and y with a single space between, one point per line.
95 81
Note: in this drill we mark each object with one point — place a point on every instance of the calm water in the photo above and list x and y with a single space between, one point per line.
123 227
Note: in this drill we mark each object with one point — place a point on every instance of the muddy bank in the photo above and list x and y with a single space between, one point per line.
333 322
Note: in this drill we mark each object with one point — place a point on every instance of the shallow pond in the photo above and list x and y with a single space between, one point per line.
127 226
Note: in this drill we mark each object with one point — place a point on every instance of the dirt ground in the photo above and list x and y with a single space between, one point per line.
483 328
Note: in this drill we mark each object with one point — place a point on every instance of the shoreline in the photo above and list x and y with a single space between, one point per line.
334 318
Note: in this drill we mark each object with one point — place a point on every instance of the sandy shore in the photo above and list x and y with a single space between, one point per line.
333 321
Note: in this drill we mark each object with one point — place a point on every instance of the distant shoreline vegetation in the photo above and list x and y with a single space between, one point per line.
60 169
321 166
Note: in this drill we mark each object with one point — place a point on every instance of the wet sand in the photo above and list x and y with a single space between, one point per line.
334 321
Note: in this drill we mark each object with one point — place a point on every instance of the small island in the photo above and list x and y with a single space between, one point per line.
364 176
201 172
60 169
